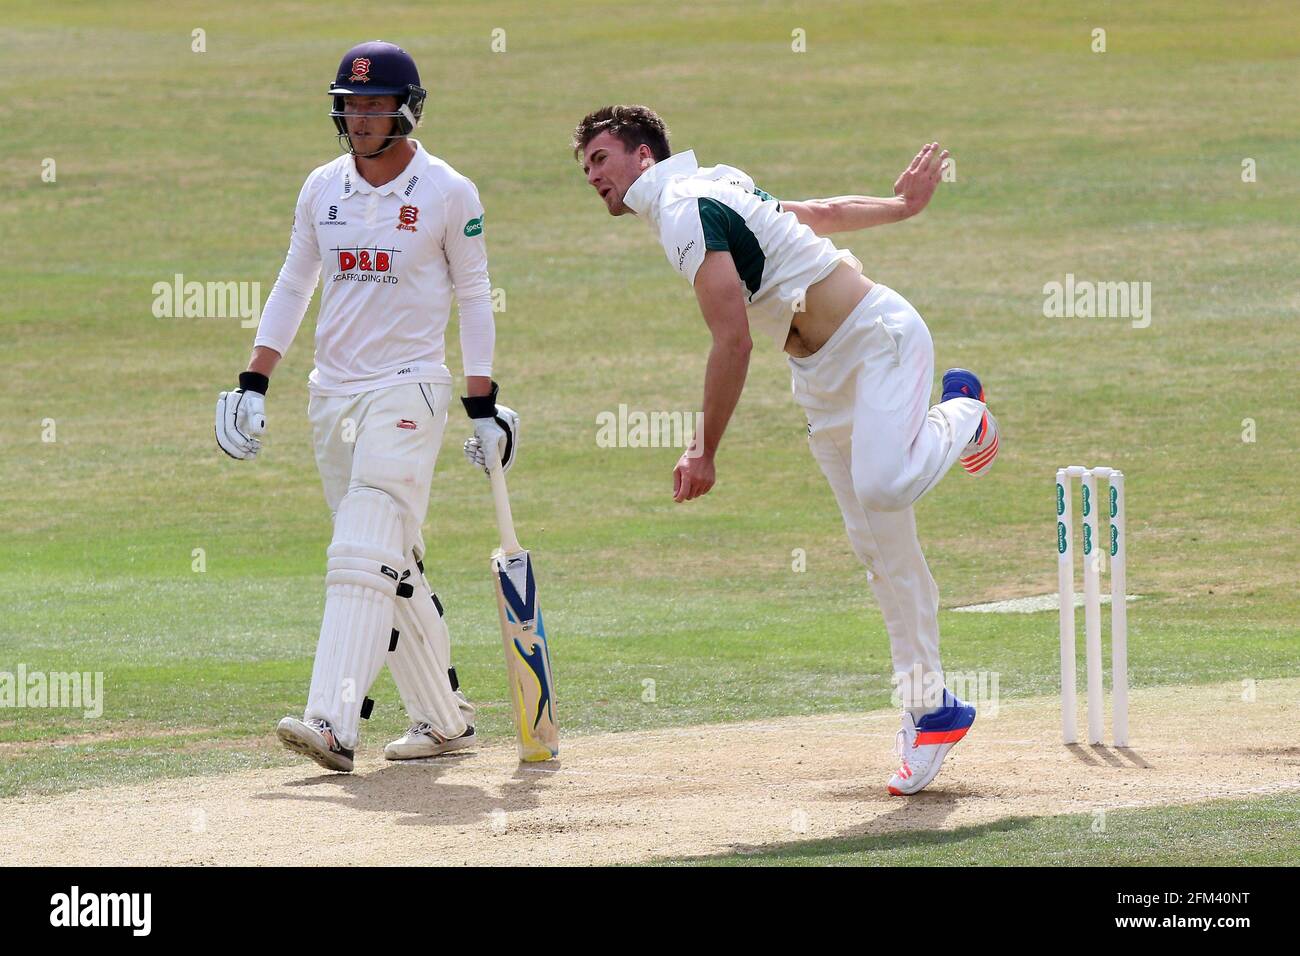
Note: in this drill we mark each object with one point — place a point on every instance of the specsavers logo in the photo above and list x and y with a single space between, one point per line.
474 227
365 264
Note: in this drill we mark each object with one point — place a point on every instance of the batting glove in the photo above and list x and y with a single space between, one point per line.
241 417
495 426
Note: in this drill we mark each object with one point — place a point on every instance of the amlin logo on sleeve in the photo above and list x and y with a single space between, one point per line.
103 909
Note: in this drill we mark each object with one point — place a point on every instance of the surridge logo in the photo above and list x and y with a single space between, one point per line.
365 264
74 908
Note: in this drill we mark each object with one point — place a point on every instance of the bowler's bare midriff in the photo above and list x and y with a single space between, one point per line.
826 306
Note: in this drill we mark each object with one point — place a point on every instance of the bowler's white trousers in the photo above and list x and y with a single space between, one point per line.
866 394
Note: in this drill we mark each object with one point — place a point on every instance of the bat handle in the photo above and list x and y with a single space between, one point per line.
501 499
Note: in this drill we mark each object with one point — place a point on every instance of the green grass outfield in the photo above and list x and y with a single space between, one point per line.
1116 166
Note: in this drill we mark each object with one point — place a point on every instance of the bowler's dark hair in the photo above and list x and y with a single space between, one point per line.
632 125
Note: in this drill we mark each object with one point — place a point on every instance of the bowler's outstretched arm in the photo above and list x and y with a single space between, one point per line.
912 192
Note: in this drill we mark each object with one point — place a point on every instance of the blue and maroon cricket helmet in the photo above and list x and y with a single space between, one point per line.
378 68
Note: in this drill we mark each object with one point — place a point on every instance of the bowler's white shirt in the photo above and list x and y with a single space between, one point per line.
392 256
778 258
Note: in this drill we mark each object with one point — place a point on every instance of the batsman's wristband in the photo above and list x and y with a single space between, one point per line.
254 382
481 406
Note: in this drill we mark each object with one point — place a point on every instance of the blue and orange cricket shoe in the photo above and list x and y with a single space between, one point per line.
923 744
977 457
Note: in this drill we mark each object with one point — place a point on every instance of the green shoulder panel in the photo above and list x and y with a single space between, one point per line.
724 228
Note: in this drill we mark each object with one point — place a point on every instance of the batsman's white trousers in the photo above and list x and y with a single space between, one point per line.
388 440
866 394
361 442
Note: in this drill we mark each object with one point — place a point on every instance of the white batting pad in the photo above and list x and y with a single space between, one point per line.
421 659
360 588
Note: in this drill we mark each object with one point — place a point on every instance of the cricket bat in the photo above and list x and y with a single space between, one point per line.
528 661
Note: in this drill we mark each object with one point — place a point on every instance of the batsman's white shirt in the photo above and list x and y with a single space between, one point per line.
392 256
777 256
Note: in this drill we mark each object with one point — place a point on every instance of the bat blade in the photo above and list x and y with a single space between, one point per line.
528 659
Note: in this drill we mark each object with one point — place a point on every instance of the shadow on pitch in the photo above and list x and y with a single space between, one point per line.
1097 754
902 830
415 792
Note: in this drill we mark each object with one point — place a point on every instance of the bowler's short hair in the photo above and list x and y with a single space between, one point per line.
632 125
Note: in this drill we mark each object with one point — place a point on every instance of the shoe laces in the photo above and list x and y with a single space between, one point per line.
901 742
426 728
325 729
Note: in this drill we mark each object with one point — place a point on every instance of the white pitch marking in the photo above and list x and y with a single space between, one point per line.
1030 605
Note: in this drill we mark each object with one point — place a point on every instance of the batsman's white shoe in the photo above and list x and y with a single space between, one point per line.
923 744
315 739
421 740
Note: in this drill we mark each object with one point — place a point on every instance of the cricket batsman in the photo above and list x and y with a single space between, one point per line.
862 364
396 232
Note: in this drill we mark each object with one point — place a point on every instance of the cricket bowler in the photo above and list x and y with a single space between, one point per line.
861 360
396 232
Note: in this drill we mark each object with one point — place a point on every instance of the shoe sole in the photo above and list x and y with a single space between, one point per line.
976 465
327 759
979 462
392 752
